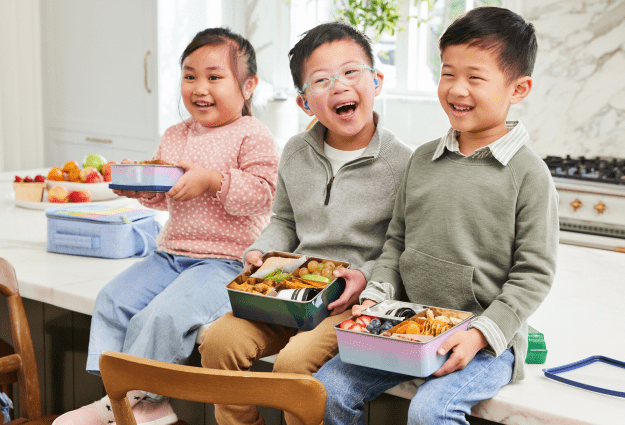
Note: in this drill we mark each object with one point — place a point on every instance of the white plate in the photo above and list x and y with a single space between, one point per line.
99 191
122 200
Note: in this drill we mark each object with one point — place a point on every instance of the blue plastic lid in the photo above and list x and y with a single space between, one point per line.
597 373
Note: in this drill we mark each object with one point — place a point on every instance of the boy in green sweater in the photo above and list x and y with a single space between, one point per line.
474 228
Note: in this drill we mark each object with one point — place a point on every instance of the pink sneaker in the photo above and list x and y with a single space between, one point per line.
154 413
97 413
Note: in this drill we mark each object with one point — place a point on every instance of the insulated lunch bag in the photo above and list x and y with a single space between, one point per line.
98 231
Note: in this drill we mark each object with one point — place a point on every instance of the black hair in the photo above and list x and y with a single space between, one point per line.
498 29
324 33
240 48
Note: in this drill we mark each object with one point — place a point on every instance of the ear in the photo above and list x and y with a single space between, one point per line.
380 77
249 86
300 99
522 87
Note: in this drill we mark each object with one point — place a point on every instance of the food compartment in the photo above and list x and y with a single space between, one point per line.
288 289
144 177
407 346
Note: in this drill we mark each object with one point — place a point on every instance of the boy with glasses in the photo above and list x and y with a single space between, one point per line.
336 189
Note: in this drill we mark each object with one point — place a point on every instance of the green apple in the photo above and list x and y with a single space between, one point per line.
96 161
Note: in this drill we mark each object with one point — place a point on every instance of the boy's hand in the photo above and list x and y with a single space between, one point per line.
139 194
464 346
359 308
195 181
253 257
355 283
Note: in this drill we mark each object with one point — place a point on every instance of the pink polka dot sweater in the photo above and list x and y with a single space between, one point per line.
225 225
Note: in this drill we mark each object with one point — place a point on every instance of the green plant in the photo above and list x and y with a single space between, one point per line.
375 16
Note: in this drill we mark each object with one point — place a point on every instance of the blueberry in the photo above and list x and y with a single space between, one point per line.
386 326
375 323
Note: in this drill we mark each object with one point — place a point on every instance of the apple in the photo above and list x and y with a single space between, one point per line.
94 177
80 195
96 161
106 172
85 171
58 194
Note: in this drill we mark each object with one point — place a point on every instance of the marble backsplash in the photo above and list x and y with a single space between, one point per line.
577 105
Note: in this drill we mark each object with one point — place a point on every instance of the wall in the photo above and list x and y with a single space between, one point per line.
577 105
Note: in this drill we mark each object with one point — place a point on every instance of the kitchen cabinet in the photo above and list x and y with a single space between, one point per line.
99 79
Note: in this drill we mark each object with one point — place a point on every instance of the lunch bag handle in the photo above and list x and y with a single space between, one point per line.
144 237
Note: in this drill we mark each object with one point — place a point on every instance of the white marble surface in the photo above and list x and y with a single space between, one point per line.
581 317
577 104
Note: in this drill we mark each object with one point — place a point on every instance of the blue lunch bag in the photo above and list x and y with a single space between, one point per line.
98 231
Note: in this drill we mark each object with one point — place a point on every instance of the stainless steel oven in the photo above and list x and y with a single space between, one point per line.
592 200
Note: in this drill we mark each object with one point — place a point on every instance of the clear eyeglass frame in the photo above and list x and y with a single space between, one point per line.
323 83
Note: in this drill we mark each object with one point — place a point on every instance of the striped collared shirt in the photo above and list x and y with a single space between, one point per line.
502 149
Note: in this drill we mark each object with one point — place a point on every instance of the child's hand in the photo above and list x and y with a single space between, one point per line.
195 181
139 194
355 283
465 345
253 257
359 308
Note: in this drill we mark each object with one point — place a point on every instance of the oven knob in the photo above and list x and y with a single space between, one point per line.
576 204
600 207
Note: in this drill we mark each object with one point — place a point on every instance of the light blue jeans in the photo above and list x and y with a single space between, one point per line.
444 400
154 308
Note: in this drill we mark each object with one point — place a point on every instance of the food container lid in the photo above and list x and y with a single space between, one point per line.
596 373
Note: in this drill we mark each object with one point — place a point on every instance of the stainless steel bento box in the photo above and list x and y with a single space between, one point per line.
144 177
292 313
415 358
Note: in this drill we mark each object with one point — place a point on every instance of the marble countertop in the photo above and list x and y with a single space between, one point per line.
582 316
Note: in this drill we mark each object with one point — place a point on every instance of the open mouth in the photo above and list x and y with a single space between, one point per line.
458 107
345 108
202 104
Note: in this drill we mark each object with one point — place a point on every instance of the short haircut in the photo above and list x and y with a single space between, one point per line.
324 33
498 29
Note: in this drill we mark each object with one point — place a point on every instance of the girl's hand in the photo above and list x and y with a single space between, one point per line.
464 346
355 283
195 181
359 308
253 257
138 194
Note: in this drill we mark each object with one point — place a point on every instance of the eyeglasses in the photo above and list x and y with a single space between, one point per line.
348 75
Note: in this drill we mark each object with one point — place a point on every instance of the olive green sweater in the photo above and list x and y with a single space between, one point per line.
475 235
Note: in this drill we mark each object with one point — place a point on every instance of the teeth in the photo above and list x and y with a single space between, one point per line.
461 108
345 104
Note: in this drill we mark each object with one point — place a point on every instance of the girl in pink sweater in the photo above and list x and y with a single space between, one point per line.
216 210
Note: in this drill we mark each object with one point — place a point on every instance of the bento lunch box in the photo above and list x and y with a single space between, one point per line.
292 313
414 358
144 177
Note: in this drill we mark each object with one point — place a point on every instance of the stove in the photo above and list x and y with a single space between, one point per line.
592 200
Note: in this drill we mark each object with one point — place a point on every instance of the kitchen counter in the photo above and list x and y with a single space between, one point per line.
582 316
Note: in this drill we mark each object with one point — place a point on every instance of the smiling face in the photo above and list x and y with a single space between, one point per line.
346 110
209 88
476 94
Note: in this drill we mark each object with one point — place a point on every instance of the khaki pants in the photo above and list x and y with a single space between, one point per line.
231 343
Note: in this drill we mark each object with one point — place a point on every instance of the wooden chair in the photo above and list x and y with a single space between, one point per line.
20 366
301 395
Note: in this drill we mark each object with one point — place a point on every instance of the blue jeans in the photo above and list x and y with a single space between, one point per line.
444 400
154 308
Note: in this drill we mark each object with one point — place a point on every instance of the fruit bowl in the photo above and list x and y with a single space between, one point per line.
99 191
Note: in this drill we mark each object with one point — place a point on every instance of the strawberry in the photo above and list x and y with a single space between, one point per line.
18 179
364 321
39 178
347 324
357 328
27 180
